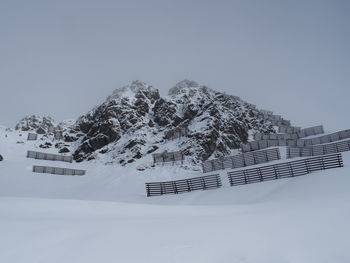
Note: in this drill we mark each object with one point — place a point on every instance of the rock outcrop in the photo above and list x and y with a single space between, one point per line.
38 124
133 121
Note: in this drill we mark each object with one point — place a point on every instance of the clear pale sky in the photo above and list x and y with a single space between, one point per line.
61 58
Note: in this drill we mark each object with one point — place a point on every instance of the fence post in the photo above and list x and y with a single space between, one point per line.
218 181
322 163
188 185
244 162
175 188
260 173
307 167
275 171
148 190
161 189
254 159
291 169
245 177
233 163
339 160
203 183
204 171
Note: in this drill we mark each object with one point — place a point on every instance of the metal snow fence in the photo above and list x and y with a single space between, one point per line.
241 160
290 136
337 136
182 186
49 156
176 133
32 136
276 120
285 170
316 150
58 135
168 157
57 170
286 129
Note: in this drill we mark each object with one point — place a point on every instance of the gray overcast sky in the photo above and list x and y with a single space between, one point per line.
61 58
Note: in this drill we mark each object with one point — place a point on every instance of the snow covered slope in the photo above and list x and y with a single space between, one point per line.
105 215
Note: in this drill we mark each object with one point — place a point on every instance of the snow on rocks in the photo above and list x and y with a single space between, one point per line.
135 121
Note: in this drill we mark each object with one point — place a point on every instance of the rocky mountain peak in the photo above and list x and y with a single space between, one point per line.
184 86
136 89
135 121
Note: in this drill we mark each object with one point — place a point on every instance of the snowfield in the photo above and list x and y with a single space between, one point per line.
105 215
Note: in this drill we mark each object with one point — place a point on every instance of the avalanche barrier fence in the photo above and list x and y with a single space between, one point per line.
317 150
57 170
241 160
183 186
290 136
285 170
49 156
32 137
263 144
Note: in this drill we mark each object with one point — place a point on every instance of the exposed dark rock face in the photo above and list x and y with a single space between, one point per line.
132 123
125 113
64 150
135 121
41 125
46 145
1 158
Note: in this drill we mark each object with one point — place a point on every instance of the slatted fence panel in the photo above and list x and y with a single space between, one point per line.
285 170
262 144
49 156
168 157
241 160
183 186
290 136
286 129
57 170
317 150
32 136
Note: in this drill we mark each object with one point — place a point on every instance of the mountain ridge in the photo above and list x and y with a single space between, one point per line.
134 121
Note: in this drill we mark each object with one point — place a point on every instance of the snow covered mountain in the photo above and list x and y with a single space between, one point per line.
136 121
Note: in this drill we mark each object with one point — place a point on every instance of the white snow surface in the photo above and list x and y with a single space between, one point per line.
105 215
